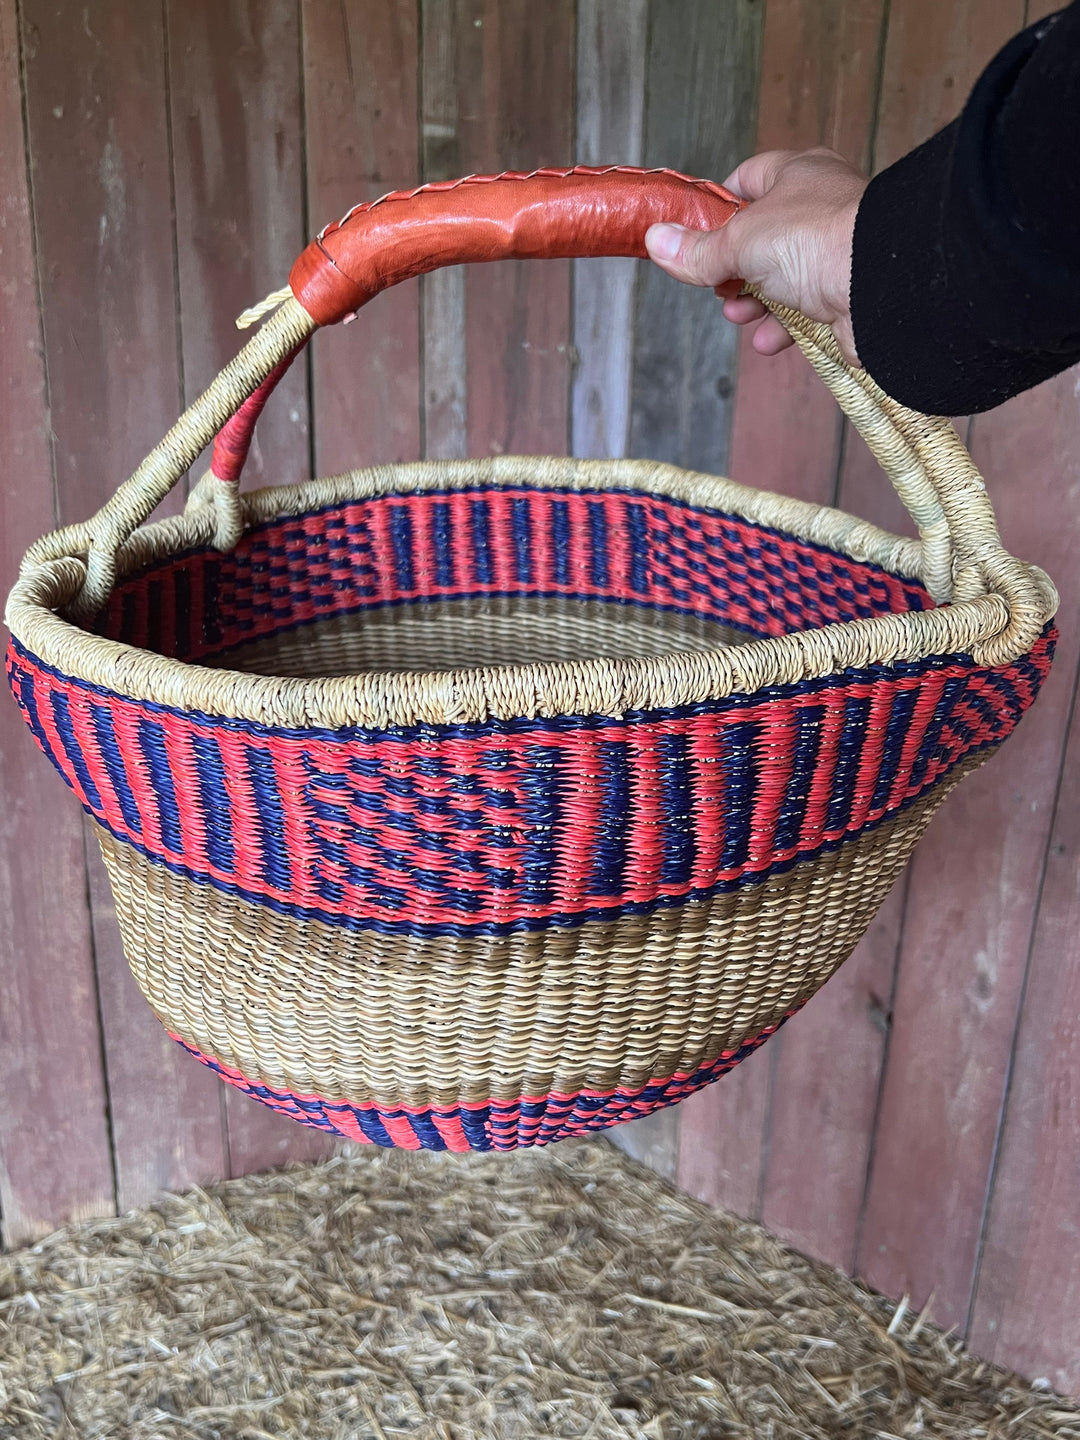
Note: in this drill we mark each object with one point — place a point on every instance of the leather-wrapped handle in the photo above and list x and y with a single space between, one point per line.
539 215
542 215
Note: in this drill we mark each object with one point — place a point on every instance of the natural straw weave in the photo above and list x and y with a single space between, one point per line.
479 803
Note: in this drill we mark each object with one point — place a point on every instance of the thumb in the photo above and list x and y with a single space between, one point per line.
697 257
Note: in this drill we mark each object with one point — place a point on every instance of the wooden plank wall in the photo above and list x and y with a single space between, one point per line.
919 1123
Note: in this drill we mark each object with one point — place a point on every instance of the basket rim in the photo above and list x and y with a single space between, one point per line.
547 689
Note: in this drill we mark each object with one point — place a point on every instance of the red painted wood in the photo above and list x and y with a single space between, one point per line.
818 73
360 91
54 1141
98 128
234 93
1027 1306
828 1074
720 1137
513 74
971 906
973 885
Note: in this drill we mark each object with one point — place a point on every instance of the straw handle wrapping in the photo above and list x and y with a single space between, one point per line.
582 211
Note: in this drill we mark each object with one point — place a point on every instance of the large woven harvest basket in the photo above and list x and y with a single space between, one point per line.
481 803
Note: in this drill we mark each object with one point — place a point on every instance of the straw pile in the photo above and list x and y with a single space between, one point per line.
566 1293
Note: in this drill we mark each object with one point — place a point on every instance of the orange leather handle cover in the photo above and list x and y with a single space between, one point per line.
546 214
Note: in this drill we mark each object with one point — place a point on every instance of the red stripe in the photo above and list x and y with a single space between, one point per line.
81 712
821 787
645 841
401 1132
707 749
449 1127
877 720
926 700
776 759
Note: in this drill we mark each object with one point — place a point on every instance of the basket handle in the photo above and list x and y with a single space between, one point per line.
582 211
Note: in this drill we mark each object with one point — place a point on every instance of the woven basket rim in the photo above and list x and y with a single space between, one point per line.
549 689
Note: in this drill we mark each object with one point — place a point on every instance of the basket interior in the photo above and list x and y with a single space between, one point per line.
438 580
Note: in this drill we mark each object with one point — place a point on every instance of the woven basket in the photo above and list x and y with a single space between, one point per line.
476 804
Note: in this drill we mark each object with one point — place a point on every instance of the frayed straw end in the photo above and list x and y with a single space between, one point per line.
264 307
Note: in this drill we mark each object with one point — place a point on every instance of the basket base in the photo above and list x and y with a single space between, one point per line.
479 1041
500 1125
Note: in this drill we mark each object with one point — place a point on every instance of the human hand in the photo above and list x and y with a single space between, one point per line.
794 242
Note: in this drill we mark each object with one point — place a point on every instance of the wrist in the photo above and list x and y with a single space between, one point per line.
840 243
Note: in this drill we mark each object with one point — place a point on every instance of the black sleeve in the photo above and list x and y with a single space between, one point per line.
965 285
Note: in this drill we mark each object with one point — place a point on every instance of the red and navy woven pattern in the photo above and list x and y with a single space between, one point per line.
625 547
494 1125
521 824
504 825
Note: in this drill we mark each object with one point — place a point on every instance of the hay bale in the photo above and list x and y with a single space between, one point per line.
561 1293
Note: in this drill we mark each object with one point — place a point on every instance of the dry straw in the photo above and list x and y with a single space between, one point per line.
388 1295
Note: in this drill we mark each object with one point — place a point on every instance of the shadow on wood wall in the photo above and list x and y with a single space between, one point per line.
918 1123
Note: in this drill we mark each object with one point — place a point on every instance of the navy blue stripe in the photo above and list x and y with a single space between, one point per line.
72 748
372 1127
613 819
442 545
311 1112
598 543
105 734
677 866
425 1130
896 731
480 524
27 698
637 522
474 1124
214 795
808 726
740 764
213 632
1008 692
521 530
928 750
153 613
539 779
560 542
276 869
155 752
401 534
849 753
183 643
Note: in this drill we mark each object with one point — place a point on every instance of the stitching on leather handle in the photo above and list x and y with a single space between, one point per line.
545 172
